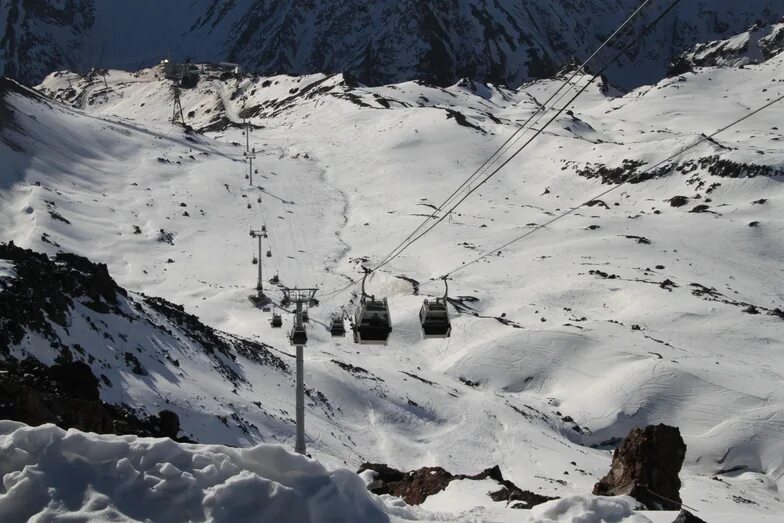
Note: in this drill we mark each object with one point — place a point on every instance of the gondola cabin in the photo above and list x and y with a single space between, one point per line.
336 327
276 321
372 323
298 336
434 319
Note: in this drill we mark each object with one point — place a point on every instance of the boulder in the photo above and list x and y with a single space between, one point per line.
75 379
645 466
414 486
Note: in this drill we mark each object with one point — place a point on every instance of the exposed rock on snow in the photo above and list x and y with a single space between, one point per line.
684 516
82 314
66 394
417 485
646 467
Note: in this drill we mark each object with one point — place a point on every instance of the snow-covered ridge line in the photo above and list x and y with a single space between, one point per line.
759 44
380 42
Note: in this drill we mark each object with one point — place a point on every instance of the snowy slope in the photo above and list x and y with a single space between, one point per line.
380 42
681 328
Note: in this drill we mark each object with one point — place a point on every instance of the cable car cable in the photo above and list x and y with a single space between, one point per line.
615 187
512 139
525 127
538 132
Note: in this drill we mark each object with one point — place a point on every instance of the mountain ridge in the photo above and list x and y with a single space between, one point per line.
386 41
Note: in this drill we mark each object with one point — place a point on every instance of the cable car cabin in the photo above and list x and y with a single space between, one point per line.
275 279
336 328
255 260
269 254
305 316
434 318
276 321
372 324
298 336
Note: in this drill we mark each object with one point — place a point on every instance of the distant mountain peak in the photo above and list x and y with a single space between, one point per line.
377 42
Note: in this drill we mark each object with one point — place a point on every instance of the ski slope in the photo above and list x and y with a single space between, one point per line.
625 313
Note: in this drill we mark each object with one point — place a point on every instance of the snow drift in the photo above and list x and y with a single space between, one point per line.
49 473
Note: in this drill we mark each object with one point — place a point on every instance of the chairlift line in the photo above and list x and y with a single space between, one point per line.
538 132
372 323
514 138
703 139
540 111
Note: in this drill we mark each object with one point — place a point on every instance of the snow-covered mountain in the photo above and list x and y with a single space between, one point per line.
661 302
439 41
760 43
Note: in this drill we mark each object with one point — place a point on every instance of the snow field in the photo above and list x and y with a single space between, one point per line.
643 353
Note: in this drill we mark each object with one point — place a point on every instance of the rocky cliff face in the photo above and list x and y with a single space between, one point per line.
385 41
646 467
70 337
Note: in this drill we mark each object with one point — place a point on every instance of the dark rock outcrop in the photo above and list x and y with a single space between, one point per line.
43 292
679 201
75 380
646 467
46 304
415 486
66 394
684 516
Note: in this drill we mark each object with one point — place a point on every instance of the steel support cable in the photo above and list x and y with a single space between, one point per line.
538 132
616 186
520 131
511 140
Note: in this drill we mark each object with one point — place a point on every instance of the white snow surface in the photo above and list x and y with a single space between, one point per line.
584 509
54 475
346 173
50 474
